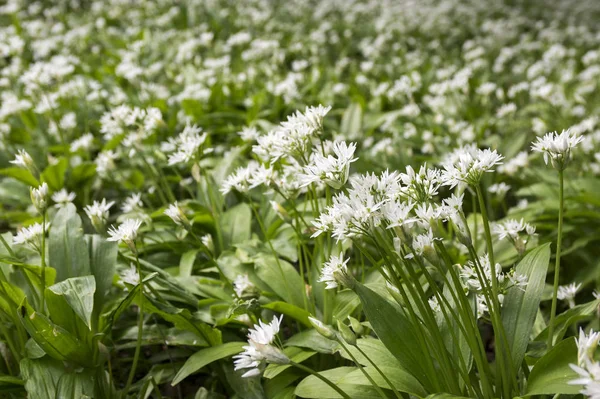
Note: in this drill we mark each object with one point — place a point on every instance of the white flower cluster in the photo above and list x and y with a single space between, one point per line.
260 349
587 366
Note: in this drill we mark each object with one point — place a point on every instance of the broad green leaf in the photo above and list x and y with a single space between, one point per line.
206 356
10 298
67 250
277 386
295 354
445 396
390 323
344 303
75 386
551 374
103 258
79 294
564 320
247 388
236 225
281 277
521 304
311 339
41 376
313 387
57 342
22 175
402 380
54 175
352 121
292 311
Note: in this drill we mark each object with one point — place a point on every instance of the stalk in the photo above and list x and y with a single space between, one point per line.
362 369
381 373
557 262
43 256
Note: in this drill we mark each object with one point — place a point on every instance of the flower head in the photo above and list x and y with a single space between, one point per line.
126 232
62 198
468 164
39 197
557 147
98 213
335 271
568 292
30 235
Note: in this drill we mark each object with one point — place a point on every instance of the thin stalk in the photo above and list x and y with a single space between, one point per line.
557 262
322 378
43 256
138 345
362 369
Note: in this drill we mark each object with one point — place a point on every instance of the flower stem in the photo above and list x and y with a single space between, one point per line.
322 378
138 345
557 264
43 256
361 368
387 380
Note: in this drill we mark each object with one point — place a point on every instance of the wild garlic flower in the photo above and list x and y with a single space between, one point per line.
420 186
331 170
130 275
513 165
30 235
423 245
98 213
126 232
557 147
133 203
208 242
82 143
176 214
500 189
467 165
335 272
587 367
62 198
39 197
243 287
249 134
105 162
518 232
241 180
568 292
24 160
259 350
187 146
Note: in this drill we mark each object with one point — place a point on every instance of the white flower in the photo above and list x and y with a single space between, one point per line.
39 197
126 232
242 285
468 164
331 170
105 162
130 275
62 198
98 212
511 228
249 134
82 143
259 349
333 271
499 188
175 213
30 235
568 292
557 147
24 160
132 203
587 345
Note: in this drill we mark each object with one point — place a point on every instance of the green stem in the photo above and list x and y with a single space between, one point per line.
322 378
557 264
138 345
43 256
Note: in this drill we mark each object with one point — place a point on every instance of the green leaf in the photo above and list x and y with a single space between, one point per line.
103 258
22 175
390 323
54 175
445 396
207 356
187 263
10 298
352 121
520 305
236 225
79 294
551 374
75 386
295 354
67 250
292 311
57 342
281 277
564 320
11 384
313 387
311 339
41 376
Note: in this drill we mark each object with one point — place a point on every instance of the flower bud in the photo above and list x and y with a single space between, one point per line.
39 197
358 328
322 328
346 333
280 211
